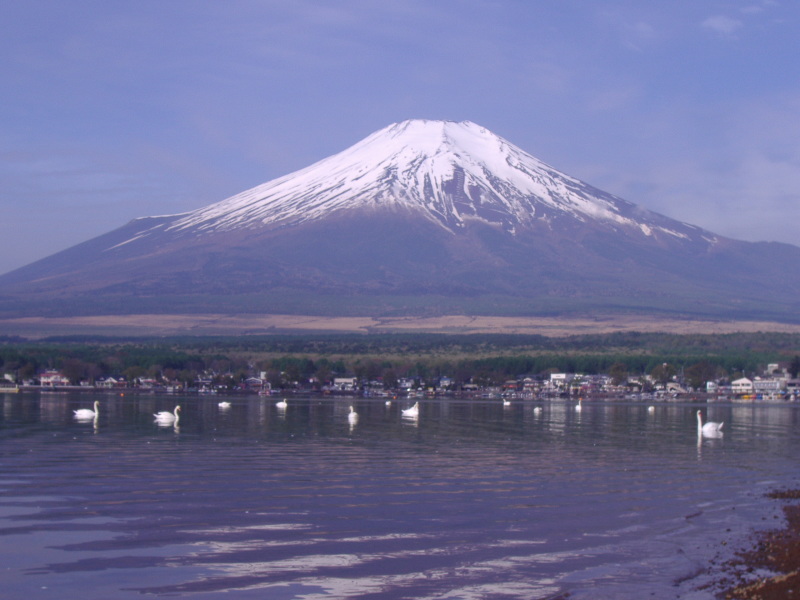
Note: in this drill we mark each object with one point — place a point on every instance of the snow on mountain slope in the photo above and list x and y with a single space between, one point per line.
450 172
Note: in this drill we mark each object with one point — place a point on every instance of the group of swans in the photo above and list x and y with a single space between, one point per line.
352 416
162 418
709 429
411 413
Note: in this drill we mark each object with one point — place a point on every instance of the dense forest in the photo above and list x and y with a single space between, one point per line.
486 359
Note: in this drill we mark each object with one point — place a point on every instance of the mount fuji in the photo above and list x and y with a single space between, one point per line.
419 218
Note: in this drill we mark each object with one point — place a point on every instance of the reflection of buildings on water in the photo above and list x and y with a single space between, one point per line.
53 408
8 406
258 412
756 416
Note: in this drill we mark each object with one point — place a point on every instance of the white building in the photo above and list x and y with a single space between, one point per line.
560 380
742 386
51 378
345 384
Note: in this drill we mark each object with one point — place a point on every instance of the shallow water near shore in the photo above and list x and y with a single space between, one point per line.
470 500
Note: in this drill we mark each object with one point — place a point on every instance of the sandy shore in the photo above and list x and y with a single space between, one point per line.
255 324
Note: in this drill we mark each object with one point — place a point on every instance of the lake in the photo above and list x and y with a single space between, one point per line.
471 500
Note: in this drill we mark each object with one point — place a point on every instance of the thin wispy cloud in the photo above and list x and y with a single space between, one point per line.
759 7
723 25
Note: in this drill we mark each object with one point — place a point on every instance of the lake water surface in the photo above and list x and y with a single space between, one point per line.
471 500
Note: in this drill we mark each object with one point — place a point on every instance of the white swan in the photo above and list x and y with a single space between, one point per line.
537 410
411 412
578 406
711 429
282 404
224 404
168 418
352 416
506 402
651 409
85 414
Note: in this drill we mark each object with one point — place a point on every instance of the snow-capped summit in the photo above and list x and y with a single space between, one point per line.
449 172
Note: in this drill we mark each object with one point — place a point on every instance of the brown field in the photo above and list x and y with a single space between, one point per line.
211 324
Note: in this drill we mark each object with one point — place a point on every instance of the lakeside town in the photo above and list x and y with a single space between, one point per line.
665 383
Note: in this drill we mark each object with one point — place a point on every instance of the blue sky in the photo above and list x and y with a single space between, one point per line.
117 110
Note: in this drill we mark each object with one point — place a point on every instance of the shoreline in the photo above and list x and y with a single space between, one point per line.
770 568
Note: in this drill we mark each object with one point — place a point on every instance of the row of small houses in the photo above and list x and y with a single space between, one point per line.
774 387
758 388
54 378
778 386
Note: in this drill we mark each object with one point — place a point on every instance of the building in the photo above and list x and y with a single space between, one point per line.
345 384
560 381
742 387
771 388
111 382
53 378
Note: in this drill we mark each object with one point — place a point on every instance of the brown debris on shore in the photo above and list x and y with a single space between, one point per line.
776 552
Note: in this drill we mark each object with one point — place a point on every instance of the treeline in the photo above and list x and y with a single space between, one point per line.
486 359
769 343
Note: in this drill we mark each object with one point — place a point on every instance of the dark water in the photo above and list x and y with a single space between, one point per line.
471 500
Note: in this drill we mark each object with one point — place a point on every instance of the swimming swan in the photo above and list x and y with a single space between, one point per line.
352 416
224 404
168 418
282 404
709 429
578 406
87 413
411 412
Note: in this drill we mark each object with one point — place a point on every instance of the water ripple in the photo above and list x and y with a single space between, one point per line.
473 501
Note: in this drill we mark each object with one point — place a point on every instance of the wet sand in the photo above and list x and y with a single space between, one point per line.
770 570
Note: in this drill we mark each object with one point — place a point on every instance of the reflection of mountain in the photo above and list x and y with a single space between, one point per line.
422 217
